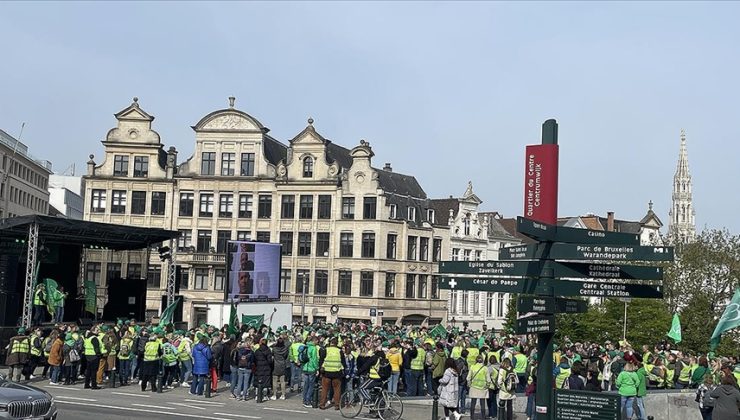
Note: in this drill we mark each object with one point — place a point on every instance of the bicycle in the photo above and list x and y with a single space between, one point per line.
388 406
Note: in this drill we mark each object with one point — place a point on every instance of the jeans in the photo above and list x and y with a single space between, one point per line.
641 408
295 376
244 376
58 313
38 314
55 371
186 371
416 387
407 382
508 408
483 405
309 381
530 405
124 366
428 381
463 395
393 382
233 378
196 387
493 404
522 385
627 405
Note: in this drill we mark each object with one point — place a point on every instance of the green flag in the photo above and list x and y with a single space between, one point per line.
730 319
675 332
233 320
168 313
438 331
253 321
54 297
91 292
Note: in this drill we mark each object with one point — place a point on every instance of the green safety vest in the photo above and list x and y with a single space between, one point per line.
126 342
43 346
669 375
169 356
494 377
684 377
417 363
37 298
333 360
35 351
89 350
181 353
21 346
479 379
521 364
293 353
151 351
456 352
736 374
473 353
562 377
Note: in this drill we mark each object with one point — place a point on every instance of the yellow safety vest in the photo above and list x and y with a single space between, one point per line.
417 363
37 298
736 374
456 352
35 351
43 345
684 376
669 375
183 355
103 349
479 376
493 371
562 377
20 346
151 351
333 360
126 342
521 364
89 349
374 371
473 353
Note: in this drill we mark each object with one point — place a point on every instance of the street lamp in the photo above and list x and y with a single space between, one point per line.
304 279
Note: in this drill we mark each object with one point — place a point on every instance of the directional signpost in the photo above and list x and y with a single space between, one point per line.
498 268
536 324
611 253
606 271
582 405
550 305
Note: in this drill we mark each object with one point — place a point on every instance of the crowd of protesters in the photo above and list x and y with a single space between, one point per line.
479 371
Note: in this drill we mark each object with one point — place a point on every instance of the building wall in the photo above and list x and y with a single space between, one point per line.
67 202
23 180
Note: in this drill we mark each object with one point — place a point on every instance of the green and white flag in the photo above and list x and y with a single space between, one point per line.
233 320
168 314
675 332
730 319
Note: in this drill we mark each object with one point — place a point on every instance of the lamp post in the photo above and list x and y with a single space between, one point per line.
304 279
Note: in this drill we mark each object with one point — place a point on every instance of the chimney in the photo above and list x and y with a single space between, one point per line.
610 221
387 167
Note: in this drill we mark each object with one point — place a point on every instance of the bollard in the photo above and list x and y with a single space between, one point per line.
208 387
501 410
259 391
112 378
435 407
315 396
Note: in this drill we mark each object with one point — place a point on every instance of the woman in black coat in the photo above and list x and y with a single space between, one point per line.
263 369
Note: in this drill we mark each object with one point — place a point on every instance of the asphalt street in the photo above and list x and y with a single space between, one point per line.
128 402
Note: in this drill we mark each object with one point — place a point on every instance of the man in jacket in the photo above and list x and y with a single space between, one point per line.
37 348
150 368
295 364
310 371
92 357
438 366
18 354
331 366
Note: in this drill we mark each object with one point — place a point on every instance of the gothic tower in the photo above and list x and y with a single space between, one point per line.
681 225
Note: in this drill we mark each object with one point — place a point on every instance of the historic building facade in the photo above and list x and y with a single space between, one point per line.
353 235
681 218
23 180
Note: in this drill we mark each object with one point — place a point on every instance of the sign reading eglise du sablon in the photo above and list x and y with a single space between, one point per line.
554 233
500 268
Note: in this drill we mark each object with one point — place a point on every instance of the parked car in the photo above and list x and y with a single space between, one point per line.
26 402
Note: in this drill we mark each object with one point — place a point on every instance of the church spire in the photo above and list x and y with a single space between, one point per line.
681 226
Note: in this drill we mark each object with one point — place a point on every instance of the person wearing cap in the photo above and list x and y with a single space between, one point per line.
125 353
438 366
139 345
18 354
295 364
92 357
150 366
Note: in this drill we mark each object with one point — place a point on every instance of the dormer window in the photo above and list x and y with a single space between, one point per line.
466 225
393 211
412 214
430 216
308 167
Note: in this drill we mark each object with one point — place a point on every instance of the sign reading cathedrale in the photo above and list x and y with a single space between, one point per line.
254 271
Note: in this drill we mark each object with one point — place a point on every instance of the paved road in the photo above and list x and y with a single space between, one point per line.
74 402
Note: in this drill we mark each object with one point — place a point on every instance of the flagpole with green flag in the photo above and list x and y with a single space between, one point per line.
730 319
233 320
675 331
168 314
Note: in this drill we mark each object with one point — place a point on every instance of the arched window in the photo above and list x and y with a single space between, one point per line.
308 167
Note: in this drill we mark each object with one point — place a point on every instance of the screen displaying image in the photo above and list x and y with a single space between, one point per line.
254 271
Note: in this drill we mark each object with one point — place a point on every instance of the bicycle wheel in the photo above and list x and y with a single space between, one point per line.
390 406
350 404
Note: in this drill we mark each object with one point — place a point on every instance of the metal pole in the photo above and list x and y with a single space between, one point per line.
303 299
171 274
624 332
31 250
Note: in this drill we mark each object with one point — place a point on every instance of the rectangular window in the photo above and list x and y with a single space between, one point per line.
489 305
476 303
118 202
228 164
222 240
247 166
390 250
159 200
453 302
412 214
431 217
348 207
219 279
410 285
479 255
225 205
204 241
390 285
500 305
306 207
183 277
93 273
286 242
322 244
264 206
324 207
208 163
287 207
437 251
285 281
392 211
138 202
369 204
263 236
366 283
154 277
201 279
411 250
455 254
466 255
304 244
368 245
113 271
97 204
302 278
243 235
141 166
120 165
465 299
206 205
345 244
245 206
133 271
435 287
186 204
185 240
321 282
422 290
423 249
345 283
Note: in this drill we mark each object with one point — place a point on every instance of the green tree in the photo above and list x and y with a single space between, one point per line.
511 315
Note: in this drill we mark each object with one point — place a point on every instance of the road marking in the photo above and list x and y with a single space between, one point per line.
286 410
62 387
241 416
75 398
142 410
205 402
151 406
187 405
131 395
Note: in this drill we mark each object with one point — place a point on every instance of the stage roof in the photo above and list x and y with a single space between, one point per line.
80 232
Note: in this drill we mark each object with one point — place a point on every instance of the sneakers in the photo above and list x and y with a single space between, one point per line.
458 416
53 383
307 405
282 397
191 393
273 398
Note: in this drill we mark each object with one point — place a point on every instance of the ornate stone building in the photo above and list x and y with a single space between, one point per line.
681 222
356 236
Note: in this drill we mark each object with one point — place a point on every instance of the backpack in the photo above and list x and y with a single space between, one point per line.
74 355
511 382
462 368
607 373
303 354
243 359
428 359
47 346
384 369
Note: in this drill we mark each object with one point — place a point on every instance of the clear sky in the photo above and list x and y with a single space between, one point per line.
447 92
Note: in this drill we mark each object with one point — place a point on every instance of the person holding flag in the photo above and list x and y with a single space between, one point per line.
675 331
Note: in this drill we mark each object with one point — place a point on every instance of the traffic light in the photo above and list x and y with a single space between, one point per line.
164 253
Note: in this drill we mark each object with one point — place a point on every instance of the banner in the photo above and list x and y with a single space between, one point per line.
730 319
253 321
168 313
541 183
675 332
91 292
438 331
